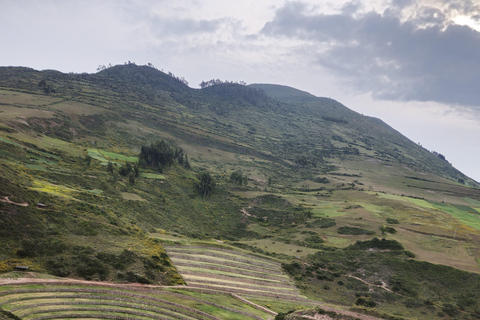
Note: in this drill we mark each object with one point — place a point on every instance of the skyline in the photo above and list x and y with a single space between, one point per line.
413 64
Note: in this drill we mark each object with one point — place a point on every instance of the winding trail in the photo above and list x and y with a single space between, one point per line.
7 200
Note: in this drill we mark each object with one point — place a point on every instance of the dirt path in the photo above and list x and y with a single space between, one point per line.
7 200
383 286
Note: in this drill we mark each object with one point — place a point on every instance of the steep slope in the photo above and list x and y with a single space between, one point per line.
362 133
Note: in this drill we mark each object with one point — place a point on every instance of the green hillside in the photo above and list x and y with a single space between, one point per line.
298 180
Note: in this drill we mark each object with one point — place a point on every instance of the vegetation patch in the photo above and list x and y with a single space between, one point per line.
132 196
354 231
150 175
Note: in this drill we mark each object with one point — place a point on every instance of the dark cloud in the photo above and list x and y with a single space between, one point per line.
424 58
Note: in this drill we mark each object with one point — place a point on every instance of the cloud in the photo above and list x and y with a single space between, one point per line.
400 54
182 27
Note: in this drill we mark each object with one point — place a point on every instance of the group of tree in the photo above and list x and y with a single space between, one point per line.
130 171
213 82
102 67
238 178
160 154
47 89
206 184
181 79
441 156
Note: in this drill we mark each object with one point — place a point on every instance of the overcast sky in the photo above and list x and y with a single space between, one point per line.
413 63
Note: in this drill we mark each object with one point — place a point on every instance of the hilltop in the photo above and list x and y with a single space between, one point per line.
299 179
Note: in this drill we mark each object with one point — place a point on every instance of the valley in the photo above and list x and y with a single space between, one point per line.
319 187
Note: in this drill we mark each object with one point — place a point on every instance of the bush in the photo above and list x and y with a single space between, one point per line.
366 302
58 266
322 223
450 309
409 254
281 315
412 303
41 247
354 231
292 268
375 243
404 284
87 267
392 221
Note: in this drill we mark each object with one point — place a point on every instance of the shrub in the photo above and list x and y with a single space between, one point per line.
354 231
409 254
450 309
392 221
58 266
88 266
366 302
412 303
41 247
325 275
375 243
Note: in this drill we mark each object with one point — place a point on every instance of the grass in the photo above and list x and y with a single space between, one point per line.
97 155
117 156
150 175
279 247
470 218
132 196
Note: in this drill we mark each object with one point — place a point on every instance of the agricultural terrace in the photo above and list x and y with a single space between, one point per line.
231 271
74 299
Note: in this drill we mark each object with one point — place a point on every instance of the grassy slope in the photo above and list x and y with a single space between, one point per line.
222 129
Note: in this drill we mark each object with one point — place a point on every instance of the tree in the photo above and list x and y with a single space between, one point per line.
88 159
136 169
110 167
131 178
383 229
206 184
186 163
238 178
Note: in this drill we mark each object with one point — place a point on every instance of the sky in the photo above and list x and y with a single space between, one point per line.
415 64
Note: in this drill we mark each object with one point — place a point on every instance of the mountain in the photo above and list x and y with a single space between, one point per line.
101 174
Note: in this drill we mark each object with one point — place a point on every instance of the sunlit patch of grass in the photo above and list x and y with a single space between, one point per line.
470 219
58 190
150 175
96 191
10 142
327 210
418 202
473 202
275 246
132 196
258 229
117 156
95 154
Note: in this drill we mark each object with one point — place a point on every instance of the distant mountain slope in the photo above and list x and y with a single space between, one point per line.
355 130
